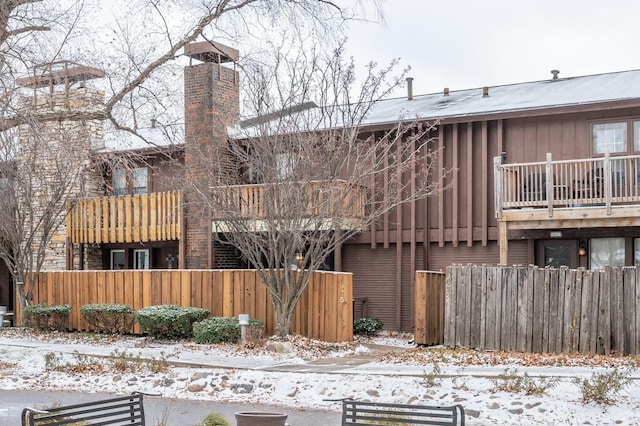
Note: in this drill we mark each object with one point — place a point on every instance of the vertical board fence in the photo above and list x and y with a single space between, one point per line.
428 302
531 309
324 311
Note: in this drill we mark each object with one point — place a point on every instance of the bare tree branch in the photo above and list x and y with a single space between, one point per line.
307 179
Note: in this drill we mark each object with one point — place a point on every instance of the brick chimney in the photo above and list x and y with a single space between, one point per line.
212 103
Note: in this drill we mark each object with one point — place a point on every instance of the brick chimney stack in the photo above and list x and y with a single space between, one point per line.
211 105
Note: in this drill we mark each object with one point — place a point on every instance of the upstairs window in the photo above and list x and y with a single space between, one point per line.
636 136
610 137
619 137
125 182
119 183
139 180
286 164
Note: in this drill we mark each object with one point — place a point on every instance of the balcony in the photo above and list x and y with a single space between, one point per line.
323 200
132 218
585 193
603 185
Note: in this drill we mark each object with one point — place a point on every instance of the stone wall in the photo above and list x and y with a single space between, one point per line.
55 155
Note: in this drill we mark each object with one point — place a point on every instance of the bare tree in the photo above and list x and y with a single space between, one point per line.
140 54
320 175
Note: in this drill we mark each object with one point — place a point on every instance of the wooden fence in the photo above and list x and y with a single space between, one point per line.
428 302
531 309
324 311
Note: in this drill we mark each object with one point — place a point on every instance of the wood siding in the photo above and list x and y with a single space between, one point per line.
324 311
375 274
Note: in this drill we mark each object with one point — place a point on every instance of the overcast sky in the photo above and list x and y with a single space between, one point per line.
464 44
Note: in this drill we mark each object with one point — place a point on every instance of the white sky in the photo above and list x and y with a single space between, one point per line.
464 44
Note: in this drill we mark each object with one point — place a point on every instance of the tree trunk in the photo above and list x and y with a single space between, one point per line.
284 318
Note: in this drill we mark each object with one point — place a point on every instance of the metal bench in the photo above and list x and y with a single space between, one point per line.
372 413
123 410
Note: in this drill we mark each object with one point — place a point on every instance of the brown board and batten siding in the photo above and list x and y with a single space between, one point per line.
464 212
519 254
459 224
374 277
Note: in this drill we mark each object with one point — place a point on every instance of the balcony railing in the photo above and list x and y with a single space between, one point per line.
132 218
322 199
606 181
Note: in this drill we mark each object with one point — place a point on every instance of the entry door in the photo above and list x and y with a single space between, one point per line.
557 253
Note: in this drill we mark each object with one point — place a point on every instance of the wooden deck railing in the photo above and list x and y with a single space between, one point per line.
549 184
324 199
132 218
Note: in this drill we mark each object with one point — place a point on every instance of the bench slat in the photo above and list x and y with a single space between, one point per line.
125 410
360 412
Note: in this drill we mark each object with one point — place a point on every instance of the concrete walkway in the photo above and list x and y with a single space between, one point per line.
361 363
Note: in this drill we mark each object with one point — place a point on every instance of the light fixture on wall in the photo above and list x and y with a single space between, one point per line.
582 250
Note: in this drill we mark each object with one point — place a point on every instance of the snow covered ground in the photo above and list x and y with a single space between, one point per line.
304 373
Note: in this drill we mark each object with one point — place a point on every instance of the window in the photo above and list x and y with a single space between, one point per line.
636 135
119 182
139 181
141 259
117 259
636 251
286 164
557 256
125 182
610 137
606 252
613 137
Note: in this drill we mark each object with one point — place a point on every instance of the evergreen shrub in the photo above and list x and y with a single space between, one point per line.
47 317
225 330
109 318
170 321
367 326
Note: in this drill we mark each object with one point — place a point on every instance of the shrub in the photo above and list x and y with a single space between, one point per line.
47 318
170 321
214 419
367 326
603 386
432 378
225 330
512 381
109 318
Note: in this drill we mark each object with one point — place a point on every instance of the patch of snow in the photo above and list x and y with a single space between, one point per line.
387 369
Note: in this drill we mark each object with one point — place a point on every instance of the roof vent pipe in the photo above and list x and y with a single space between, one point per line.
446 91
555 74
485 91
409 88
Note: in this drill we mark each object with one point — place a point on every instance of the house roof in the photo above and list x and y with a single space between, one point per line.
458 104
545 94
152 138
